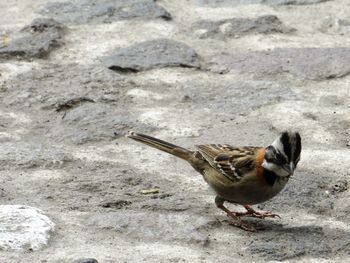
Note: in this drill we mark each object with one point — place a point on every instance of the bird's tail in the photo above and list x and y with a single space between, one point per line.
161 145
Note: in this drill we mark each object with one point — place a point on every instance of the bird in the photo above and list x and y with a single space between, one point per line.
246 176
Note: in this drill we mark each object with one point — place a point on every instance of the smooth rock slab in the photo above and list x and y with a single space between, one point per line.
105 11
34 40
154 226
23 228
236 27
60 87
31 154
83 103
308 63
91 122
151 54
220 3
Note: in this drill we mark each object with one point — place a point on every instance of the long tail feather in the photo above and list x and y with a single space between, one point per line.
161 145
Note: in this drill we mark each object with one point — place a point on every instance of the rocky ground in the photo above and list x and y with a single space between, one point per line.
76 75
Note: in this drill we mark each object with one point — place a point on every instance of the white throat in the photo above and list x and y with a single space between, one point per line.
278 170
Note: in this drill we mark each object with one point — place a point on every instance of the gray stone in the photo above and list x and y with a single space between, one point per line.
85 260
105 11
241 97
334 25
186 227
61 87
308 63
76 98
221 3
31 154
23 228
151 54
34 40
236 27
92 122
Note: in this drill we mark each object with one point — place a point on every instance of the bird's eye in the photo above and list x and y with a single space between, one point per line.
277 156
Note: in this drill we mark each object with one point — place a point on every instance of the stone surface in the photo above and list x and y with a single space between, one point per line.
156 229
308 63
106 11
92 84
78 125
99 96
274 249
34 40
151 54
31 154
62 147
86 260
24 228
227 3
236 27
334 25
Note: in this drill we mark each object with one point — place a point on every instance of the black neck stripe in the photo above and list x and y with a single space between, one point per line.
270 177
297 147
286 145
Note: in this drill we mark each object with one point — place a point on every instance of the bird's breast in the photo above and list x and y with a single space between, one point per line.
248 190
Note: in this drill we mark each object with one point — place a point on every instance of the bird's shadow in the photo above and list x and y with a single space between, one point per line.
277 241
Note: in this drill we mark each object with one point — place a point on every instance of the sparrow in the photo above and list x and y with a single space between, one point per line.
241 175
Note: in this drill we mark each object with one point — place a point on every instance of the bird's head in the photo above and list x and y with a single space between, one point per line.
283 155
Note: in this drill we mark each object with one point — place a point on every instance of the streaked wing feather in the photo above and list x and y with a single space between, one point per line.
233 162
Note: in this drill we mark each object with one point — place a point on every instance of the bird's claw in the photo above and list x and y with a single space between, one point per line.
261 215
252 213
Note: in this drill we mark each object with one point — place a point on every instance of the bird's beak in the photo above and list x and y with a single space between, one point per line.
289 168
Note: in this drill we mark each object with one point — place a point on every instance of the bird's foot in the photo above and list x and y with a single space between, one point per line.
252 213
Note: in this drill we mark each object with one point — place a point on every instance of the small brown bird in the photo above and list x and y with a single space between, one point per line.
240 175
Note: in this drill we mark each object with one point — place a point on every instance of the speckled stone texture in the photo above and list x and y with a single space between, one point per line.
309 63
151 54
34 40
189 72
105 11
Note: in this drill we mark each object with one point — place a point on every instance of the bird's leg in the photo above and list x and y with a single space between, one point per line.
252 213
236 220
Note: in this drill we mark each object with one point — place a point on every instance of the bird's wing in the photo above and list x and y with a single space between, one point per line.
233 162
